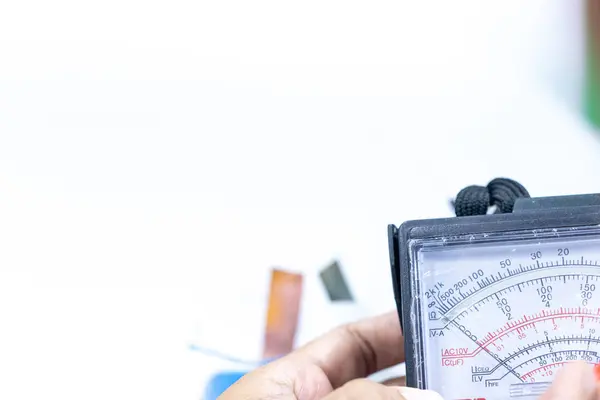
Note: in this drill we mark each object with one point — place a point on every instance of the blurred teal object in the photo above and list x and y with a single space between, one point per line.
219 383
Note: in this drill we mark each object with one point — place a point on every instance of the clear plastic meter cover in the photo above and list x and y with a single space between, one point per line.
496 316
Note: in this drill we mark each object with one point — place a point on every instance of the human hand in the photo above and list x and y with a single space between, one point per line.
576 381
334 367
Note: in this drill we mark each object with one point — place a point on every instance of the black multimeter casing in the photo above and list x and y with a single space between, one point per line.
529 214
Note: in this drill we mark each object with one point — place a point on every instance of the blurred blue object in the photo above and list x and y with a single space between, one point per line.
219 383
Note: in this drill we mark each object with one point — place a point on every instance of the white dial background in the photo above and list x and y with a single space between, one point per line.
499 320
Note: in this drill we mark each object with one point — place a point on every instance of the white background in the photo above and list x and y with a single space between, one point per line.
157 158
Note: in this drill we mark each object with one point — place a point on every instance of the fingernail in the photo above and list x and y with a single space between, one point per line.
419 394
597 371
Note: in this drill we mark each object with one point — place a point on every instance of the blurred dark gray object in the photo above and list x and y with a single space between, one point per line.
335 283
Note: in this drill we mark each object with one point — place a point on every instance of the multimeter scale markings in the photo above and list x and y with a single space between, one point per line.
499 321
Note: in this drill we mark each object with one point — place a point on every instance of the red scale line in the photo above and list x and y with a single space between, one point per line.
504 330
545 367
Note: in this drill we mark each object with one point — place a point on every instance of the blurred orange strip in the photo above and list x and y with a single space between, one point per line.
282 313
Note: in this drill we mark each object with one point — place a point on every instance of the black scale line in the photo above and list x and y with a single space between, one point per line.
548 342
529 283
544 356
503 362
589 342
521 268
490 353
440 304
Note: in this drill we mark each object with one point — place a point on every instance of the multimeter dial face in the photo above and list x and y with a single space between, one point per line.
498 320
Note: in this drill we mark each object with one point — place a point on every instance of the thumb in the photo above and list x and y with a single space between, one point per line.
360 389
576 381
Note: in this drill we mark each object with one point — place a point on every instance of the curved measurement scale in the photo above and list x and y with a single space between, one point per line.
503 326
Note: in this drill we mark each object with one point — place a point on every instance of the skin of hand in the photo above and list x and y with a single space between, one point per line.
576 381
334 367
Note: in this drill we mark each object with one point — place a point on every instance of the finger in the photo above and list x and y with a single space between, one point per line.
576 381
364 389
360 389
356 350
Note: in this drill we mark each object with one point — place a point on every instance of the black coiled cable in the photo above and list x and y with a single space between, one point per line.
477 200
